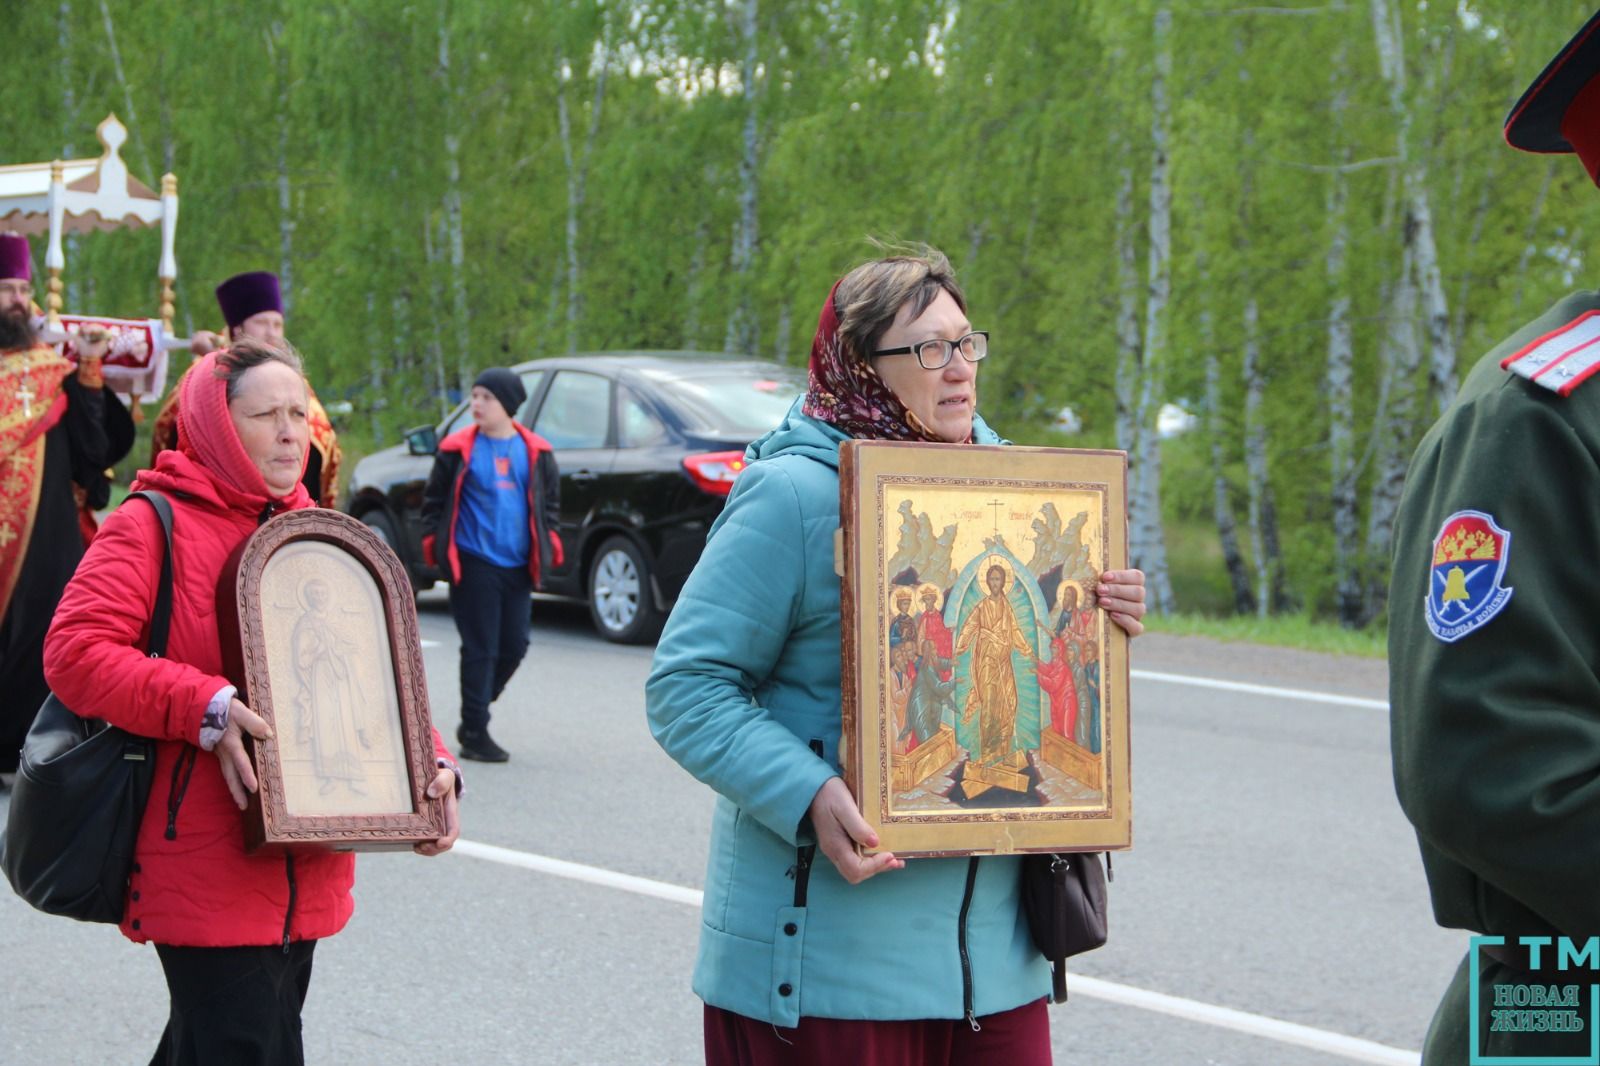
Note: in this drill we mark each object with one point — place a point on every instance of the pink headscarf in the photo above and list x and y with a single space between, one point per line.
205 431
846 391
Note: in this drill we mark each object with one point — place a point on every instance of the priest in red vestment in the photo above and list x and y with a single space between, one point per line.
60 428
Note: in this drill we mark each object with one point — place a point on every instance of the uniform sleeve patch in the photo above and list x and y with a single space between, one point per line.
1469 561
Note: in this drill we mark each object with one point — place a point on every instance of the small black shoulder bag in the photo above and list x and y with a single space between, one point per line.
80 793
1064 897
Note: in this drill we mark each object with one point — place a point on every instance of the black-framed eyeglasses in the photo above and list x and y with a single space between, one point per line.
937 353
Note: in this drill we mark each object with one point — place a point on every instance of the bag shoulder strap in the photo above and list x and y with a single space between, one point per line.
161 618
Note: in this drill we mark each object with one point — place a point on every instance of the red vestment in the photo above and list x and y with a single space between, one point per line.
1055 677
930 626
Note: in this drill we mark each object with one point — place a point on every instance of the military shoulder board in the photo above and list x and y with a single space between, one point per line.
1562 359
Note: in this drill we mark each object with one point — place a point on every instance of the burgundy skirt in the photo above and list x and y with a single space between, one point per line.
1019 1037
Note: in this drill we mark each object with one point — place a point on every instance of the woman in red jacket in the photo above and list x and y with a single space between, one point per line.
235 932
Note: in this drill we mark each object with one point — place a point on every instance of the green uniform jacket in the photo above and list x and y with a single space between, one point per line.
744 694
1496 734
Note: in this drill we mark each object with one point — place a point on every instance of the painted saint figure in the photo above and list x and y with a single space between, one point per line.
931 696
325 705
931 627
1089 722
1080 623
1057 680
901 678
991 631
902 623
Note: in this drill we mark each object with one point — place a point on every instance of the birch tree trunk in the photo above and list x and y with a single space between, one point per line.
577 185
780 345
1338 380
452 205
134 129
1530 246
692 286
405 351
280 57
1262 514
1458 318
69 130
574 194
1244 599
1401 360
1419 212
1149 542
430 254
741 335
375 365
1127 377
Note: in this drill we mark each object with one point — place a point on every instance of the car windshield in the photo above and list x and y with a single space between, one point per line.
732 401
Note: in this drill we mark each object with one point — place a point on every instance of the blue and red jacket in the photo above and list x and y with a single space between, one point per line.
441 502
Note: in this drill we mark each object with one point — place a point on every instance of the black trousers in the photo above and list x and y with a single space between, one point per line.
491 607
239 1006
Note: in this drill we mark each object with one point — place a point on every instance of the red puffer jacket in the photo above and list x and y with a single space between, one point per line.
199 888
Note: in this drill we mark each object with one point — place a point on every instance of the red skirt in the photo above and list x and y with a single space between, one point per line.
1019 1037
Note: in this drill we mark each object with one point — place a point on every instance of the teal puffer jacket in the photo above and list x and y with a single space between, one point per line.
744 694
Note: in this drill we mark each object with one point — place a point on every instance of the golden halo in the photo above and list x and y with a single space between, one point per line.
990 563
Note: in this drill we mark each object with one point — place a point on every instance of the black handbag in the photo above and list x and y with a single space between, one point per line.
80 792
1064 898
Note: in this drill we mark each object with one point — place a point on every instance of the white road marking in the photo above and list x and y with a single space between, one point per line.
1348 1047
575 871
1257 1025
1301 694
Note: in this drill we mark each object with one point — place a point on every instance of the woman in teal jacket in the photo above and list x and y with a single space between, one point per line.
931 962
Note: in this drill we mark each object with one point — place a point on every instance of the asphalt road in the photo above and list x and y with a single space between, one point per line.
1272 876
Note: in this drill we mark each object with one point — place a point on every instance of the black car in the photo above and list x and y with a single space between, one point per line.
648 443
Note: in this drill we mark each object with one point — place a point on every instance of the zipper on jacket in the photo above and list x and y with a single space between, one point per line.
288 914
177 789
961 941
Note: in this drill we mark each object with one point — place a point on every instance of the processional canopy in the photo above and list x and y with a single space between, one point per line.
99 195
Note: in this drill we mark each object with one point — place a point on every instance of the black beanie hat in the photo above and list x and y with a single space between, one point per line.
505 385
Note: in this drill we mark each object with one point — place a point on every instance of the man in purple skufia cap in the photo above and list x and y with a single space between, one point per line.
59 430
252 306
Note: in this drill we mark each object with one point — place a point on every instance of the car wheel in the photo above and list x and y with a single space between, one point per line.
380 524
620 602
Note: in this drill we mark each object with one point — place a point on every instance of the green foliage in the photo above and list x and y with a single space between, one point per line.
316 139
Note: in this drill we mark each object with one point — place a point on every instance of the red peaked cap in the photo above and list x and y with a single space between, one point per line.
16 262
1560 112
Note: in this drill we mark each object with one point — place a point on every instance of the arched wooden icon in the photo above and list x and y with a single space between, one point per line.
320 635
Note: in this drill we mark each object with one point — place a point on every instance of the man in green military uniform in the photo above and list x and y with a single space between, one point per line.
1494 649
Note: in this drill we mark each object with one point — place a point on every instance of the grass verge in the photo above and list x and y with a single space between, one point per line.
1284 631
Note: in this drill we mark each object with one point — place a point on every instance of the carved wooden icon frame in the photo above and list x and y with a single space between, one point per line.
985 697
320 636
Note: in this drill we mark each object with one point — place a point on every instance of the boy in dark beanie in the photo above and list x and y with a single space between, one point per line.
492 504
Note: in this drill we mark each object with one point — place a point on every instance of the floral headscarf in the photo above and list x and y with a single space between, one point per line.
845 391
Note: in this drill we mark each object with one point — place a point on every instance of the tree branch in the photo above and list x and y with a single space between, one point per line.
1325 9
1339 168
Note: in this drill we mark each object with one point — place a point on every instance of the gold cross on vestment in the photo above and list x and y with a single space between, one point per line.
7 536
26 395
